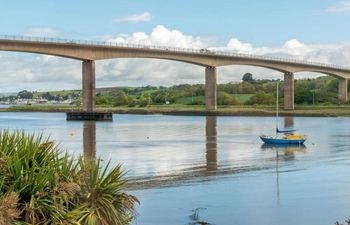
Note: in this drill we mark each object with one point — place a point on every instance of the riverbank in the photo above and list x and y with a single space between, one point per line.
238 110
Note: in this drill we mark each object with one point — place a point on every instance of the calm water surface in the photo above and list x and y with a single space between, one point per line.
185 169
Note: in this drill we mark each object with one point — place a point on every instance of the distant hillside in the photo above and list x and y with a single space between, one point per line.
65 92
250 91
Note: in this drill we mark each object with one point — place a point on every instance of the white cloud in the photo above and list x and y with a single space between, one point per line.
160 35
236 45
340 7
42 32
293 44
137 72
296 48
143 17
40 72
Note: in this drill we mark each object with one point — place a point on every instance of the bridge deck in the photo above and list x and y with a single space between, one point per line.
168 49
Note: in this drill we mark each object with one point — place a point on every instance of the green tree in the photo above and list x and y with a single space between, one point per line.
248 77
248 88
25 94
161 96
48 96
303 96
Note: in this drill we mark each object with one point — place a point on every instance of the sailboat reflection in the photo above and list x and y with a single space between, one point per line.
89 140
211 144
285 153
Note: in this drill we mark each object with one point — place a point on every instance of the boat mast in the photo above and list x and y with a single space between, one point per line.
277 108
277 178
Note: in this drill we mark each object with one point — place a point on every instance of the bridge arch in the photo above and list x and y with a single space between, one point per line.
164 58
332 74
277 68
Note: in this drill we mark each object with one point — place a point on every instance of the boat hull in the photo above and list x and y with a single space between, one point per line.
280 141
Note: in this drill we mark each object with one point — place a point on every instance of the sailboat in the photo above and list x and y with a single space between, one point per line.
283 137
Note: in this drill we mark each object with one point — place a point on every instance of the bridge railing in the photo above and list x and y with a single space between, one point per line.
172 49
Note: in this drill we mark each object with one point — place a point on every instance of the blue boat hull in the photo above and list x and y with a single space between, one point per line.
281 141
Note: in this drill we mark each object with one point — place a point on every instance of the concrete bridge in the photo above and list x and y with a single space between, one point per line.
90 51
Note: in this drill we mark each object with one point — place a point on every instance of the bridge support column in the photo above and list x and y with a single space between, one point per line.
343 89
210 88
288 91
89 98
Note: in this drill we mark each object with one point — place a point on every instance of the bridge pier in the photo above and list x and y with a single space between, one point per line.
89 91
288 91
343 89
89 97
210 88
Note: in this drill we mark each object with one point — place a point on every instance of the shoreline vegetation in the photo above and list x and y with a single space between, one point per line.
190 110
40 184
250 97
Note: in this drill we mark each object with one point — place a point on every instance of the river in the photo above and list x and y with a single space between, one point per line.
184 169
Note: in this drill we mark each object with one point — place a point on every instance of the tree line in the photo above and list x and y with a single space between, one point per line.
250 91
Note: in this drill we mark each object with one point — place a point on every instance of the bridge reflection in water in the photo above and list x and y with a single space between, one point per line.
211 143
89 140
89 145
210 168
288 122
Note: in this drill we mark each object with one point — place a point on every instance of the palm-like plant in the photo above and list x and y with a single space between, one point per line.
102 196
54 188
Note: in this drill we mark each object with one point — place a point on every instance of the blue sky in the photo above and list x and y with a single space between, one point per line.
310 29
270 22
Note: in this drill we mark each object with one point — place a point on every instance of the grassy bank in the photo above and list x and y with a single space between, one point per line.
237 110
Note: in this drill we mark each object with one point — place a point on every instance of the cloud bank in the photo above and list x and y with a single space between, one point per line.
340 7
40 72
42 32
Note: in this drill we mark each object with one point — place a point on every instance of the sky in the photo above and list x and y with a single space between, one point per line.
315 30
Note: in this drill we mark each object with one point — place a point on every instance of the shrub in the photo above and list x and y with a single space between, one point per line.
40 185
261 98
226 99
197 102
119 98
133 103
143 102
102 100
